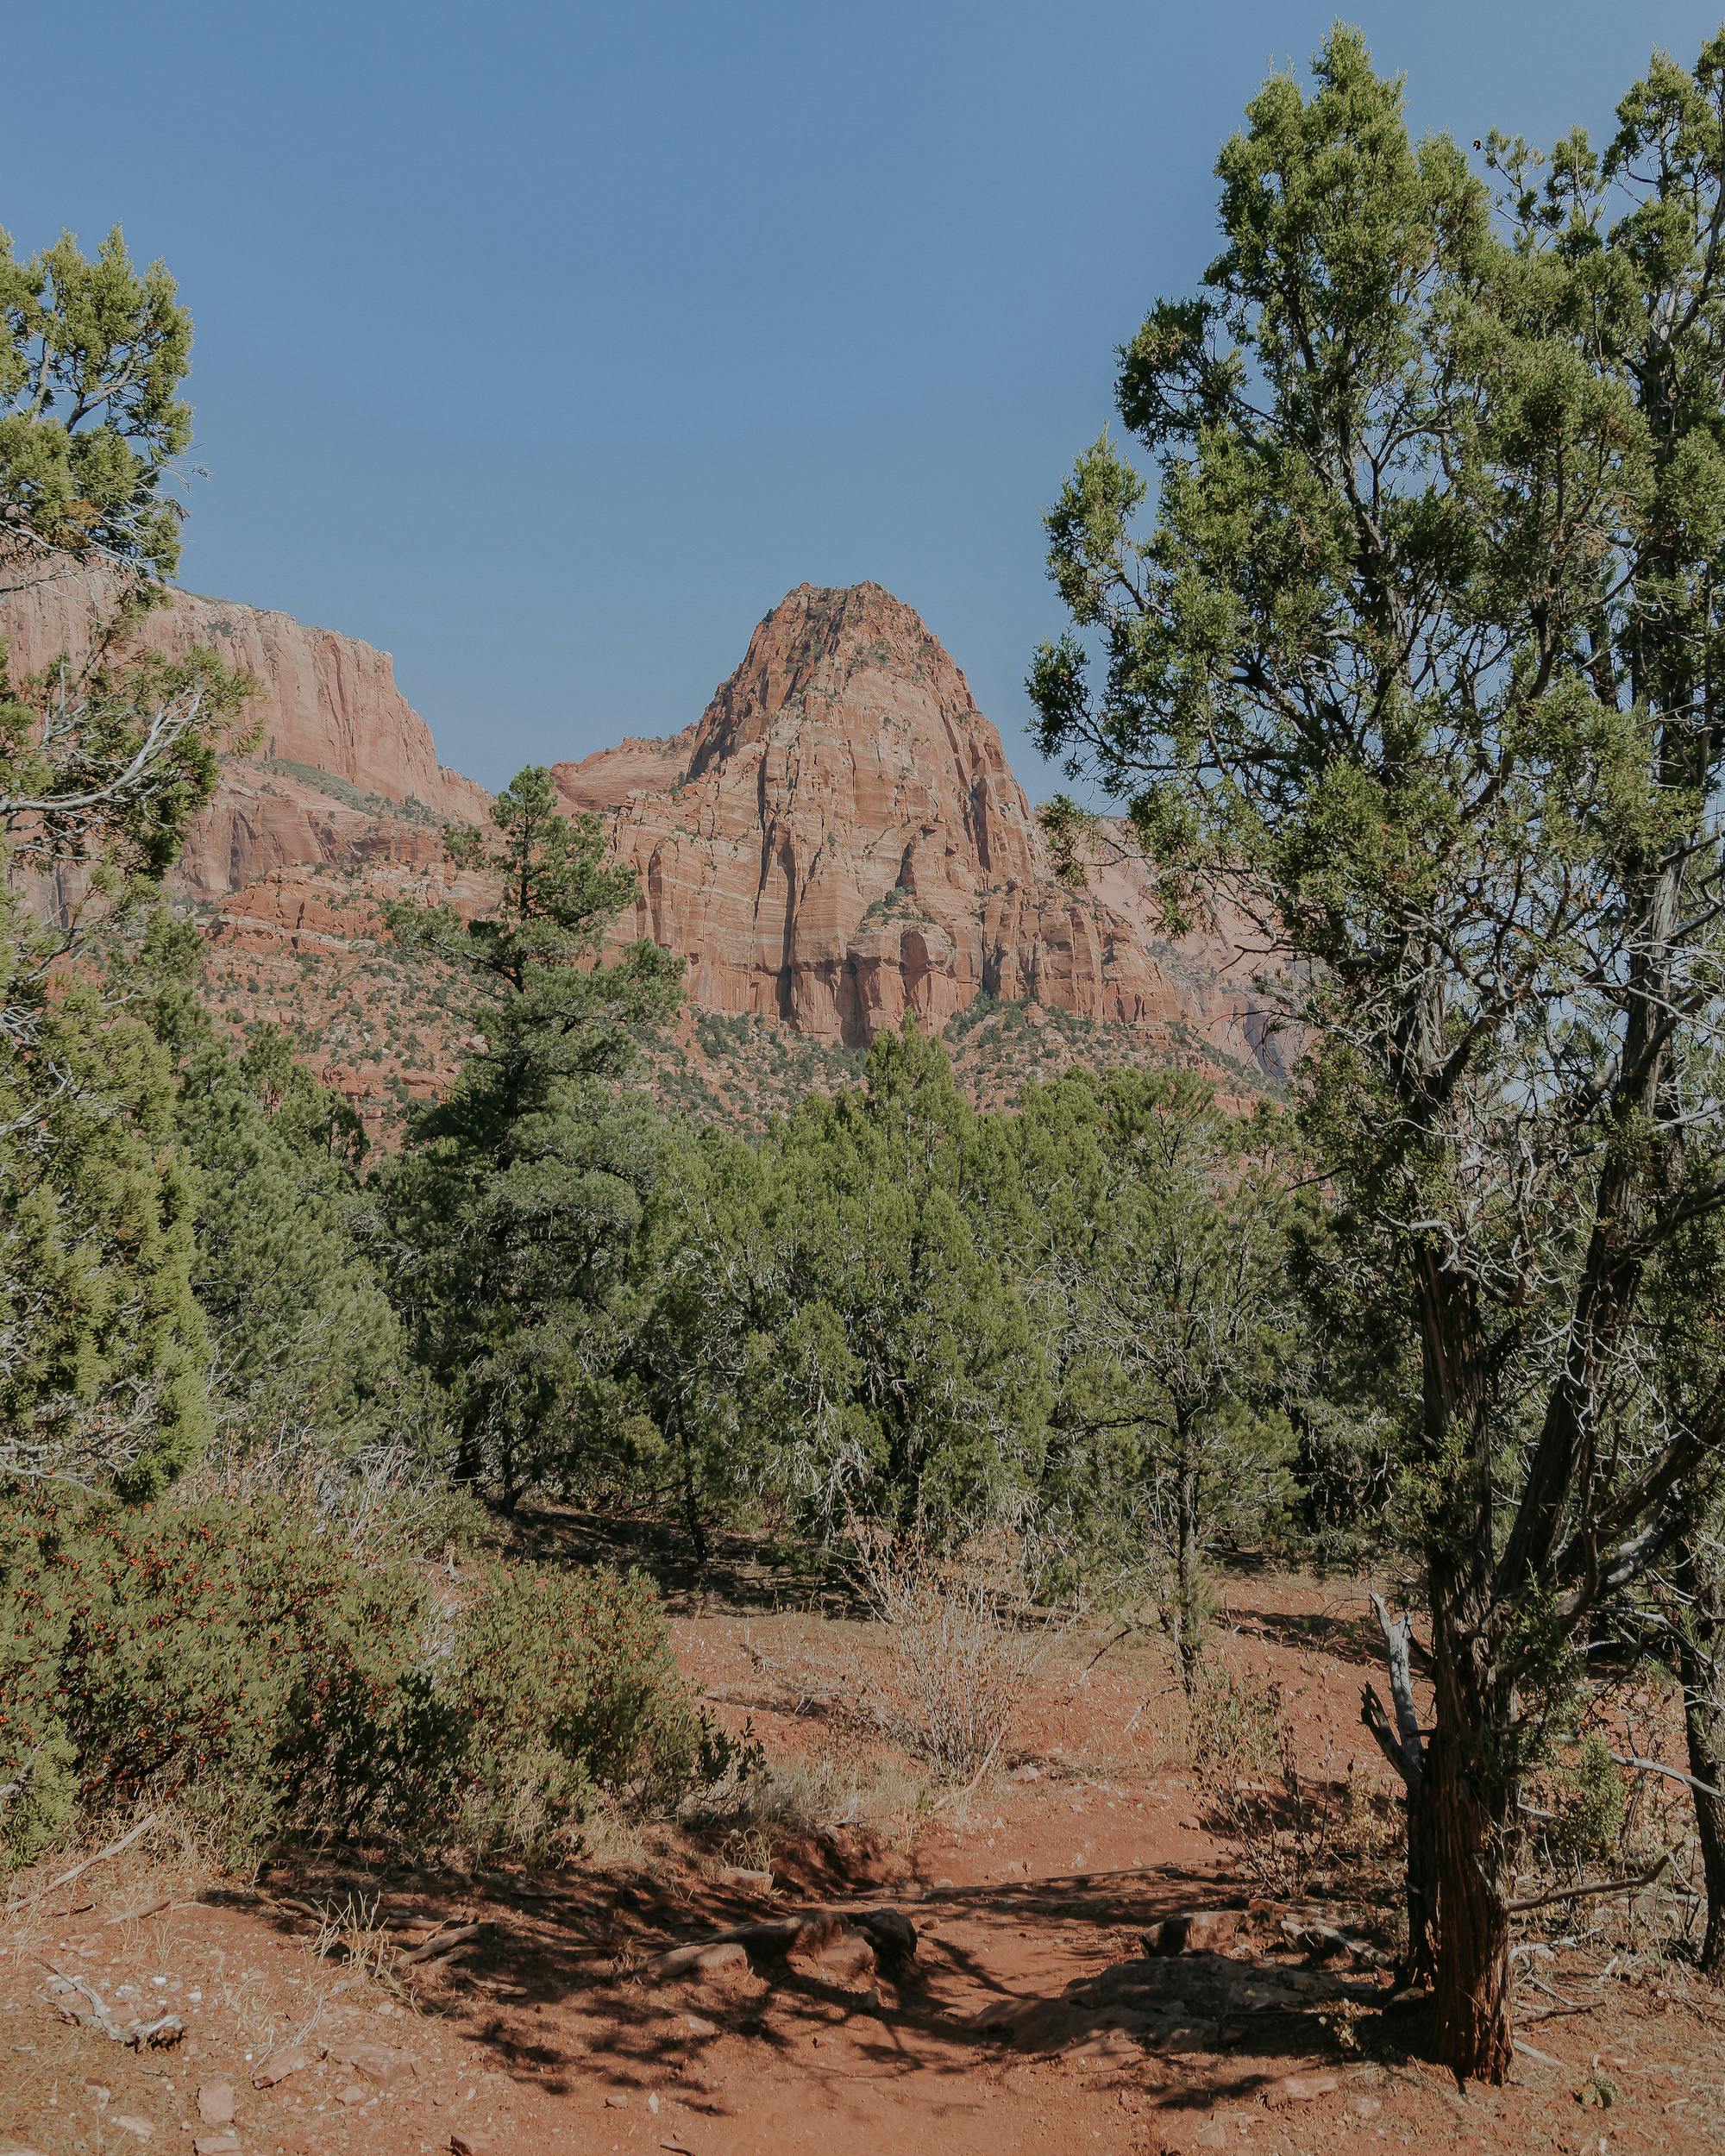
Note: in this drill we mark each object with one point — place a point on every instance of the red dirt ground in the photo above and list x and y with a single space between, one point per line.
1032 2020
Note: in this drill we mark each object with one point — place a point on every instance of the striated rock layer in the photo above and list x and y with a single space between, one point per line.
837 841
344 769
840 841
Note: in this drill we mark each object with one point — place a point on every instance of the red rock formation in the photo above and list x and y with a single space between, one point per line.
604 780
335 729
837 841
841 841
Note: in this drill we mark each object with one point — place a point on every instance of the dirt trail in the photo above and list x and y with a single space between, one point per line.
1032 2017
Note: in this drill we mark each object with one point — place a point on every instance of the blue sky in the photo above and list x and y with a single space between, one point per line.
548 346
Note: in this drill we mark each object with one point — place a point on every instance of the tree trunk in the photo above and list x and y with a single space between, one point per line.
694 1525
1471 2035
1404 1745
1420 1963
1186 1577
1701 1664
1473 1830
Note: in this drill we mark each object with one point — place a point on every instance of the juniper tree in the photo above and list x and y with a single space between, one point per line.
308 1369
93 354
104 756
1165 1244
836 1321
1417 654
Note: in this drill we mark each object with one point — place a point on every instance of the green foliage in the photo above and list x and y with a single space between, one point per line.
1417 656
101 1344
93 353
231 1660
102 764
1165 1293
103 759
569 1687
836 1322
1414 650
1592 1801
351 796
235 1661
308 1360
517 1197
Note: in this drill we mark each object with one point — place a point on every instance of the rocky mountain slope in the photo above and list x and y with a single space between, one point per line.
838 841
344 769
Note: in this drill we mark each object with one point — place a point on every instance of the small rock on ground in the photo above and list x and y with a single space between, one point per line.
1300 2088
216 2103
284 2064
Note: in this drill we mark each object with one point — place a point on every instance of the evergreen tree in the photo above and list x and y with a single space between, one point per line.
1167 1247
1418 660
102 761
516 1200
308 1357
93 357
837 1321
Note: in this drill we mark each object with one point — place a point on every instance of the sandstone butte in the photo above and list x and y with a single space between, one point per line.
339 745
838 841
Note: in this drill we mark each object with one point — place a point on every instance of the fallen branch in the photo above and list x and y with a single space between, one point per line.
150 1908
102 1855
1587 1893
440 1943
890 1934
1658 1766
141 2035
1304 1930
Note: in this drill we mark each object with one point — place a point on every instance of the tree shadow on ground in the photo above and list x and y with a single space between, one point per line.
558 1986
743 1572
1345 1635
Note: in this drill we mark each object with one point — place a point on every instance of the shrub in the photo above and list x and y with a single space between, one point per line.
238 1662
566 1683
228 1658
958 1666
1234 1722
1590 1802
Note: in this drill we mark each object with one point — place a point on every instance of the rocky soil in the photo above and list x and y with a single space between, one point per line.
1031 2015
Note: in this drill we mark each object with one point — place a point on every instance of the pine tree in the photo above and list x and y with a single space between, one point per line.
516 1200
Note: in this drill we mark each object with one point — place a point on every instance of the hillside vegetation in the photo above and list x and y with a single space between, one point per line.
323 1461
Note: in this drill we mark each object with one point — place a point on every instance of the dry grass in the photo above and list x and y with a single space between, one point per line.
960 1652
357 1933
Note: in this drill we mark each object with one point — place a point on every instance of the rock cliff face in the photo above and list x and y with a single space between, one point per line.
339 749
837 841
840 841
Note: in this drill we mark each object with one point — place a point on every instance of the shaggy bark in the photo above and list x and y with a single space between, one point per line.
1701 1665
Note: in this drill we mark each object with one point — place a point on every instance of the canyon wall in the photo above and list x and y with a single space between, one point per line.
339 746
838 841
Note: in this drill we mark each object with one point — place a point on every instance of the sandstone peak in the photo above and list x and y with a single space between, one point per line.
841 841
820 654
836 841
